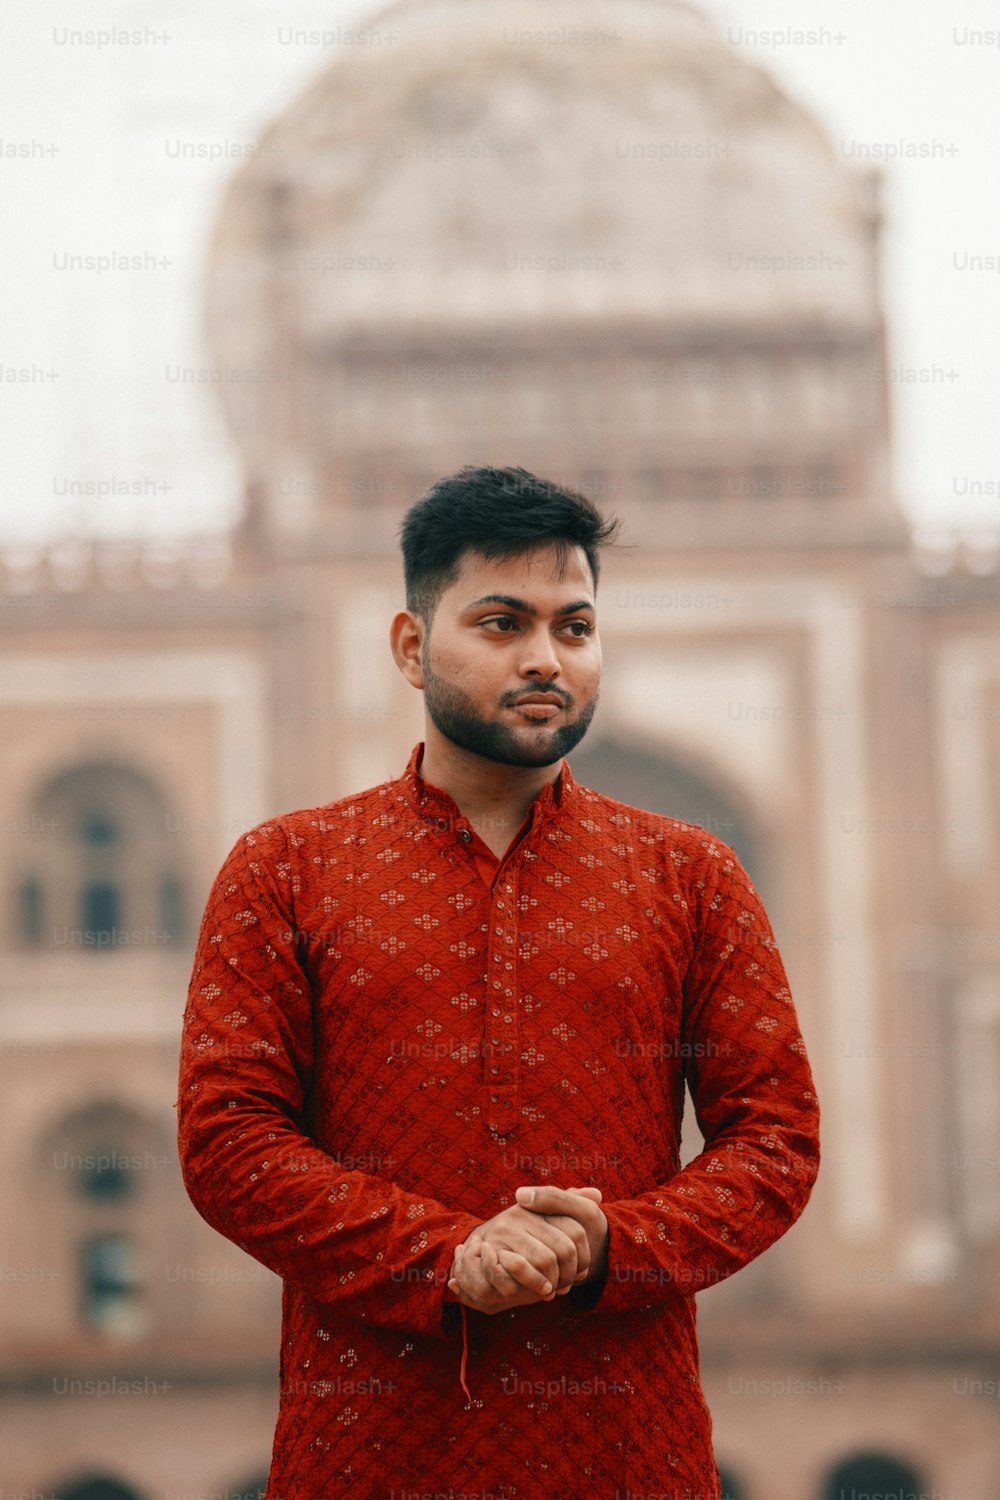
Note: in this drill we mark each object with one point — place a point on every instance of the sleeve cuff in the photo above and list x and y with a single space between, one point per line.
585 1296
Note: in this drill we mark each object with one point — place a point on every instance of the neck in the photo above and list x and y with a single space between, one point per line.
485 791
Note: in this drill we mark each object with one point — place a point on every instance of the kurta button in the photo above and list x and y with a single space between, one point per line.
466 836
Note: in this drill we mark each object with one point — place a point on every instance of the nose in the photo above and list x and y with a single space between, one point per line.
539 657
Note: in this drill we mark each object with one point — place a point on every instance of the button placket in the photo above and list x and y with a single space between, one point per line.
502 1075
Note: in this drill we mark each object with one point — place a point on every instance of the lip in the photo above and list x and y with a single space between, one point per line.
539 699
539 710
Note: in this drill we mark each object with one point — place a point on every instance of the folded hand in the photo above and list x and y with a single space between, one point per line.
533 1251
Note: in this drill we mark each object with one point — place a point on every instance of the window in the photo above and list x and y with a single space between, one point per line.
102 872
730 1489
109 1280
873 1474
100 912
171 908
106 1176
99 1154
250 1489
32 910
97 1487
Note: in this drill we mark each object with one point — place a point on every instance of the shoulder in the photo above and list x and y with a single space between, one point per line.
682 842
280 838
689 865
344 816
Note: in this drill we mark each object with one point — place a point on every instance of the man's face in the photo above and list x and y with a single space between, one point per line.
507 630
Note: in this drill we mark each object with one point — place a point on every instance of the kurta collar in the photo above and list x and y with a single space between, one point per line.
430 801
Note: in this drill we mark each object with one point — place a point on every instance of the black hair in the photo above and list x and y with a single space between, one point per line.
497 513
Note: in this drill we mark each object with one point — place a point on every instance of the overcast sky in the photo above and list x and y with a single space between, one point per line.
915 81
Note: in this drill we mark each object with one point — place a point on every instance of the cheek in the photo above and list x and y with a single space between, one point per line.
587 670
468 673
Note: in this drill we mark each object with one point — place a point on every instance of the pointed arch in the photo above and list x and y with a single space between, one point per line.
663 781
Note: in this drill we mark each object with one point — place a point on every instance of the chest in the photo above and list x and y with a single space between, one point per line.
502 1005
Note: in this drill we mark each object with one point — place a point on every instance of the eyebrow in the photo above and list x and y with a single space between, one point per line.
525 608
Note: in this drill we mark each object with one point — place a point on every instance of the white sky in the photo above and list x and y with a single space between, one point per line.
885 73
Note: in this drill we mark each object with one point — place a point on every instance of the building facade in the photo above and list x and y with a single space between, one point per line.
611 251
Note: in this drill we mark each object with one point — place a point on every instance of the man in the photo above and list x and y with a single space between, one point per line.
434 1062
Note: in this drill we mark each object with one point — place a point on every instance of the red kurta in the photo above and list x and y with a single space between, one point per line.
380 1046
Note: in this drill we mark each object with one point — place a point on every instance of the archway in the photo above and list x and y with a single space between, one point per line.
873 1473
731 1489
103 872
251 1489
660 781
97 1487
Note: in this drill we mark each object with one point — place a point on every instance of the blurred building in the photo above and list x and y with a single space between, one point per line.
591 240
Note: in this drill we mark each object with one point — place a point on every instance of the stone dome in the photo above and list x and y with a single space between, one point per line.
487 170
484 160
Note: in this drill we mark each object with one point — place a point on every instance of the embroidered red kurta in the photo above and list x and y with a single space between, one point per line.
388 1031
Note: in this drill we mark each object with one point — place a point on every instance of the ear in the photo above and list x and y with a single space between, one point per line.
406 637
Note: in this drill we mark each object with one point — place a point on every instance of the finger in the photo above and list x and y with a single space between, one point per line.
551 1251
594 1194
510 1273
522 1274
468 1256
553 1200
555 1226
557 1250
495 1274
477 1291
505 1284
583 1255
473 1281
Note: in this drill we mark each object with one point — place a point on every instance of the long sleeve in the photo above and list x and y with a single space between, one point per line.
347 1238
380 1046
752 1090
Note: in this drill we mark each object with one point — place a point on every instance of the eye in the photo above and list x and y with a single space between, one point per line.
586 628
501 620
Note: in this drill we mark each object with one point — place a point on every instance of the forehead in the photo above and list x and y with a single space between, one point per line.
535 575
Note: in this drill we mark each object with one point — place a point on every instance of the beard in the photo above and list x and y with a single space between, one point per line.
454 714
